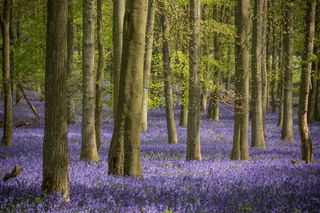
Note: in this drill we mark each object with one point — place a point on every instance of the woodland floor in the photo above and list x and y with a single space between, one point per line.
274 180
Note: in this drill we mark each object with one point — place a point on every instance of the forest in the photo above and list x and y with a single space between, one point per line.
160 106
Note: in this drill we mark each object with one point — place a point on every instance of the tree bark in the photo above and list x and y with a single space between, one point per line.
100 75
124 152
147 64
193 131
71 116
55 148
117 36
257 135
88 146
240 149
281 83
264 62
6 69
306 141
287 124
169 105
312 93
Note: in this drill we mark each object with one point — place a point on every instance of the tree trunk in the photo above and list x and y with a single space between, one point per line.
124 152
100 76
312 93
257 136
240 149
18 30
306 141
213 111
117 36
169 105
203 106
7 86
71 116
274 68
193 132
287 124
317 107
281 84
183 114
147 64
88 146
55 147
264 63
317 46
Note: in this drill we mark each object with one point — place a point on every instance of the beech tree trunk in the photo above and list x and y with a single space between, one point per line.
117 36
147 64
257 135
317 48
264 61
281 84
312 93
193 131
317 107
124 152
169 105
100 75
88 146
71 115
18 31
306 141
240 148
55 147
6 69
287 124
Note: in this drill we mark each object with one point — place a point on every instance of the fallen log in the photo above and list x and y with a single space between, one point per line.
14 173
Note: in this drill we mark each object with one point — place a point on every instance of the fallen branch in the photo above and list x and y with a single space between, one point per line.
32 107
14 173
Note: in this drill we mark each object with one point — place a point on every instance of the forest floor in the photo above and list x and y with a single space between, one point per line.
274 180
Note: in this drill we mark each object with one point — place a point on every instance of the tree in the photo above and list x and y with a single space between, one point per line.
7 85
100 76
124 152
281 84
287 123
169 105
147 64
88 146
240 149
306 141
117 36
264 61
193 130
71 116
257 139
55 148
214 103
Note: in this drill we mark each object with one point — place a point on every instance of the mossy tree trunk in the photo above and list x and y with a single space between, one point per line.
71 116
287 124
193 131
280 83
306 141
124 152
240 148
88 145
257 135
55 147
117 36
100 75
6 77
169 105
147 64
